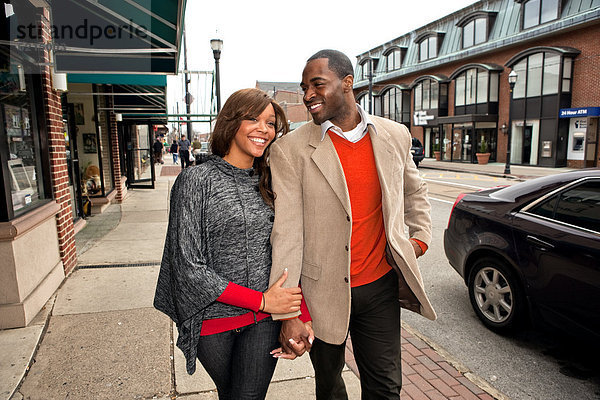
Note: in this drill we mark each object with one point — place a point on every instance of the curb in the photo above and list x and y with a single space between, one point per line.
494 174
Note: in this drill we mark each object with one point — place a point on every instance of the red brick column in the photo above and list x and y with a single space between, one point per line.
58 160
116 159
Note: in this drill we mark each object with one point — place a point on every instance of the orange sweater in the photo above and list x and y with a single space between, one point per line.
367 247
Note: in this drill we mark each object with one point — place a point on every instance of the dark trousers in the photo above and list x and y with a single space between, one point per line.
375 333
239 362
184 155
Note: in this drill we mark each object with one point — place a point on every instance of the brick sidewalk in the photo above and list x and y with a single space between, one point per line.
426 375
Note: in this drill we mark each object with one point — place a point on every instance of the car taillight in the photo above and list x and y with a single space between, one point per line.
458 198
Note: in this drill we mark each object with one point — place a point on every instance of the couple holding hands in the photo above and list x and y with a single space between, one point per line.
282 244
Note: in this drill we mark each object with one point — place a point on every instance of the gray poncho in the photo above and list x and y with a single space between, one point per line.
219 231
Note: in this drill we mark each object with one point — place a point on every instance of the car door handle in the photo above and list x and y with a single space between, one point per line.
539 243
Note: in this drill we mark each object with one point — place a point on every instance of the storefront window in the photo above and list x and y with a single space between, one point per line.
20 139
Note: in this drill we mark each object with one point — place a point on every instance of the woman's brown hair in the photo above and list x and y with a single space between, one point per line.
241 105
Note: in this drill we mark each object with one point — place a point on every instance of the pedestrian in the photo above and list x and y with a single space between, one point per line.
215 269
345 189
174 151
158 149
184 152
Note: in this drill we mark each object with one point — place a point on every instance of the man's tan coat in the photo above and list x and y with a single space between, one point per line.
313 221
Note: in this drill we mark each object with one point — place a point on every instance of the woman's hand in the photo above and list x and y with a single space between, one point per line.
278 300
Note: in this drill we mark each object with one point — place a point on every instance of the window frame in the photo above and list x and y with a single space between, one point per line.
538 13
427 38
391 52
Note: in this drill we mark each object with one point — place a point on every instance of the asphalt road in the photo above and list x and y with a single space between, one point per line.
535 364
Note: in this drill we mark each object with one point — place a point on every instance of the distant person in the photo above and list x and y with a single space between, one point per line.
174 151
215 268
346 188
184 152
158 151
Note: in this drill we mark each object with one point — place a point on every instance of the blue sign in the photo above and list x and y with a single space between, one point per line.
579 112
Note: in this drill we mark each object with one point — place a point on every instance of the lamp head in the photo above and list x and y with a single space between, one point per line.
512 77
216 44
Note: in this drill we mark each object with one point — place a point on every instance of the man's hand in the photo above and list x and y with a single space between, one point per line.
295 337
418 250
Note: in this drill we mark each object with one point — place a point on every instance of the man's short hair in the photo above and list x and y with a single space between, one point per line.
337 61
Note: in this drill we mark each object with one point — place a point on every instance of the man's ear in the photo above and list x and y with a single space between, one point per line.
347 83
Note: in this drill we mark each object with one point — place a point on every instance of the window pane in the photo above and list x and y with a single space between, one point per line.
397 60
494 86
534 75
480 30
482 86
567 67
551 71
418 100
531 13
581 206
386 104
434 95
426 92
398 105
520 69
468 34
546 209
423 50
376 105
470 87
460 90
549 10
24 164
432 47
566 87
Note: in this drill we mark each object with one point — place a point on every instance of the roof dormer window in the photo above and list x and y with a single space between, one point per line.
537 12
476 27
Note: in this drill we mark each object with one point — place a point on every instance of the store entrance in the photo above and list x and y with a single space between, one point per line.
81 208
138 156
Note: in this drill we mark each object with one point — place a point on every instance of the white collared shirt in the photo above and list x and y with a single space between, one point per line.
355 134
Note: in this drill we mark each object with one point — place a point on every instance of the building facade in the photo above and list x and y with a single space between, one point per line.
448 81
289 96
72 128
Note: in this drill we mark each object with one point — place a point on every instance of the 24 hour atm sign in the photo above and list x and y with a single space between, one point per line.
579 112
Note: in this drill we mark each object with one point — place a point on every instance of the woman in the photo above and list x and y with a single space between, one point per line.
215 269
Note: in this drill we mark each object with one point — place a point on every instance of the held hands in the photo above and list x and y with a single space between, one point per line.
278 300
296 338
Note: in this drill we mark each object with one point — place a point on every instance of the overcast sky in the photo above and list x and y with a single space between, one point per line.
270 40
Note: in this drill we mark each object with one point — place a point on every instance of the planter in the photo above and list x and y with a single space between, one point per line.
483 158
438 155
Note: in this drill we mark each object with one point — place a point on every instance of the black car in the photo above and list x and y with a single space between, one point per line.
531 252
417 151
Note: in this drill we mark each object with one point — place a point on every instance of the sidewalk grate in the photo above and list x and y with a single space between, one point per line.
145 264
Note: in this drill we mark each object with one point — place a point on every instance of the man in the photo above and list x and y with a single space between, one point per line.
346 187
184 152
158 149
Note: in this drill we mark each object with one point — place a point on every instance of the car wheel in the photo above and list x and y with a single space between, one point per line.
496 295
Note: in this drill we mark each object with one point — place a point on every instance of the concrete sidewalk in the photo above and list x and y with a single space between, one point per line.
100 338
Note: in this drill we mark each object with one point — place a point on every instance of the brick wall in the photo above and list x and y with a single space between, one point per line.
58 160
120 180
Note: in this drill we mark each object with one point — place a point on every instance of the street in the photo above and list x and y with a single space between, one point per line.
532 365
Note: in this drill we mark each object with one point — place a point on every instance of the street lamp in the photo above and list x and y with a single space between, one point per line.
217 45
512 80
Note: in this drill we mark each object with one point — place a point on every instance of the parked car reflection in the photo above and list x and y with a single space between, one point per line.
531 251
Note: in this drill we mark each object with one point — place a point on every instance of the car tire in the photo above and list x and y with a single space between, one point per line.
496 295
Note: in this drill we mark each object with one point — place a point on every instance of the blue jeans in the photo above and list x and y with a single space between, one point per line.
175 158
239 362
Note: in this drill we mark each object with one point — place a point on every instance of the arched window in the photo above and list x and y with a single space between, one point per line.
476 27
393 59
429 44
476 89
395 104
427 94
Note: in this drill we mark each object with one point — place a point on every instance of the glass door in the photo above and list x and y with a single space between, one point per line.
140 167
70 132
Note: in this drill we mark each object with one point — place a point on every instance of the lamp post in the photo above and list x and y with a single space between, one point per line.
370 76
512 80
217 45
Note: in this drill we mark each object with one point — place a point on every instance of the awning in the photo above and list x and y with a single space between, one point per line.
117 36
459 119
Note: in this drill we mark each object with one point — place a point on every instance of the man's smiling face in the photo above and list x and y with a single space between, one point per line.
323 91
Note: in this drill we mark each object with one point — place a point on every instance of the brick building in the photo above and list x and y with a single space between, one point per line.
65 141
289 96
448 81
